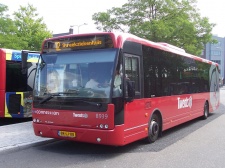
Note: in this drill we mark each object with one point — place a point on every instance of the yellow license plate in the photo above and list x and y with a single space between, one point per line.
67 134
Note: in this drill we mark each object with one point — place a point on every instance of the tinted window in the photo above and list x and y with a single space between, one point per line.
168 74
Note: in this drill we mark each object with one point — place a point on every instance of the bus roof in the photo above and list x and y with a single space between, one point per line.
120 38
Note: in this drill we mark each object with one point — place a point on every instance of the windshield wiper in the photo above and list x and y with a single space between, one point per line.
88 102
50 96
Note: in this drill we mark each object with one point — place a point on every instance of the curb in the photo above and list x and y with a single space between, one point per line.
17 147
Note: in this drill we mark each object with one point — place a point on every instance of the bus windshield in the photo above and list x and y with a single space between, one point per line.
77 74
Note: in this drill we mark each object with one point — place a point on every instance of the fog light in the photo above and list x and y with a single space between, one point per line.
34 120
40 133
98 139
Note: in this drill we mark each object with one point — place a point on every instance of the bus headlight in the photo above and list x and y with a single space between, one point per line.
106 126
36 120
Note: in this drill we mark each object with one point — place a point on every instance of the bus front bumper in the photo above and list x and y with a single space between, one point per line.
113 137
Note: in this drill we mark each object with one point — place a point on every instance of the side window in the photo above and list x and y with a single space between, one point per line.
132 71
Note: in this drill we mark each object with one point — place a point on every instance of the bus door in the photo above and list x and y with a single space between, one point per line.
134 109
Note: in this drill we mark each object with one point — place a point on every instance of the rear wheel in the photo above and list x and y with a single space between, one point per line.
153 128
206 111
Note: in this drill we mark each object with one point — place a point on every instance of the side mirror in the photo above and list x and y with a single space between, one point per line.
130 90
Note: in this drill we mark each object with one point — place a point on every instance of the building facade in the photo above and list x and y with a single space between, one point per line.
215 53
63 34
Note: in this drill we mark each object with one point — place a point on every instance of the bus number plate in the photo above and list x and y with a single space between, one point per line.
67 134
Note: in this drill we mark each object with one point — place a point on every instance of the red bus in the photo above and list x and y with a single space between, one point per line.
16 83
114 89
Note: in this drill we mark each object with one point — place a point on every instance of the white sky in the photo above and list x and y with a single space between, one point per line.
59 15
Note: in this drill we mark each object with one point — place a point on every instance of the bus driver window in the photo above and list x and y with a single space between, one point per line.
53 81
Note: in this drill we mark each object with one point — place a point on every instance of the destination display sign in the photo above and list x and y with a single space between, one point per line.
78 43
16 55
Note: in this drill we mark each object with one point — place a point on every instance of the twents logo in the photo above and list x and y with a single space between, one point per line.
80 115
184 103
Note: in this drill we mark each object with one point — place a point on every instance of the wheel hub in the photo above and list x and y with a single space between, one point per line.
154 128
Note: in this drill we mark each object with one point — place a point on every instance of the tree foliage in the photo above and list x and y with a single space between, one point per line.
25 31
8 38
177 22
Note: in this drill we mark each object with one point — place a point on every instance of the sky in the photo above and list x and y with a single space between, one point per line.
60 15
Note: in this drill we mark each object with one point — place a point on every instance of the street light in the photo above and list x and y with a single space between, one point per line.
78 26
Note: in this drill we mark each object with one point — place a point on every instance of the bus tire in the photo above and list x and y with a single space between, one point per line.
153 128
205 111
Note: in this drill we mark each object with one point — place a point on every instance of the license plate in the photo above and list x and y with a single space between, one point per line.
67 134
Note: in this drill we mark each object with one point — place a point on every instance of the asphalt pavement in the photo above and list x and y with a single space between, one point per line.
18 135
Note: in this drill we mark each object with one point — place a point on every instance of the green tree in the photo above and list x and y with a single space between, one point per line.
177 22
30 28
8 38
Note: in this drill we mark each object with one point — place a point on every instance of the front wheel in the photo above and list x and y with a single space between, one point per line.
153 128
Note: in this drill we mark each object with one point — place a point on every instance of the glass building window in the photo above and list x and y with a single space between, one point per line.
215 52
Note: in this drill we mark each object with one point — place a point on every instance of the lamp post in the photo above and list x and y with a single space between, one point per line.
78 26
